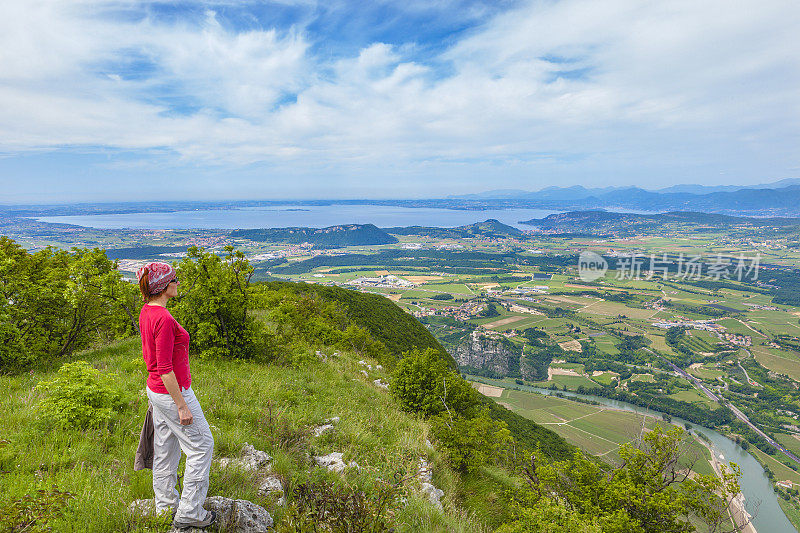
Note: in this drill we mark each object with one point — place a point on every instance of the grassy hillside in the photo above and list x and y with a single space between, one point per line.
271 407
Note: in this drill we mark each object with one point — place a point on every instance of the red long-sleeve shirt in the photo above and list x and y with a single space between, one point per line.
165 348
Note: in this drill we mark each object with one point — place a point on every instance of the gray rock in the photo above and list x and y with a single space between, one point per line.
237 516
251 459
334 462
486 351
424 472
365 374
433 494
319 430
327 426
272 486
381 384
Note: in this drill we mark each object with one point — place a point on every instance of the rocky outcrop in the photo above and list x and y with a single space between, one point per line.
272 486
327 426
334 462
251 459
483 351
433 494
244 516
238 516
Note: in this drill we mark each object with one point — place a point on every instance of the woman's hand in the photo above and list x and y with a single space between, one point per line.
185 415
171 384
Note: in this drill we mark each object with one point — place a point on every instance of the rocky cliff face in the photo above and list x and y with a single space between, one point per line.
492 355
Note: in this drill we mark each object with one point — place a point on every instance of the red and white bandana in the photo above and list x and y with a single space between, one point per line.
158 276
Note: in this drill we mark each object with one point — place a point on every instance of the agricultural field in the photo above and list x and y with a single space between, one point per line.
598 429
780 361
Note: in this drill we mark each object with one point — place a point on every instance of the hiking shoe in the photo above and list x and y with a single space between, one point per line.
202 524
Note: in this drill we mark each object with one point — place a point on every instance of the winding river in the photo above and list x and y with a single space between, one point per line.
760 500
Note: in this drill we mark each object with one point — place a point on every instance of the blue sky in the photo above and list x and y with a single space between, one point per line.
124 100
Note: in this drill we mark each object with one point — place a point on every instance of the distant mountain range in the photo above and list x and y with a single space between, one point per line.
579 192
781 198
777 199
599 221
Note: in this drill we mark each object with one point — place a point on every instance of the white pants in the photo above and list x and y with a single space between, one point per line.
169 438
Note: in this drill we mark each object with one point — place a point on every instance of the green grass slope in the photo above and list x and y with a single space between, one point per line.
385 321
272 407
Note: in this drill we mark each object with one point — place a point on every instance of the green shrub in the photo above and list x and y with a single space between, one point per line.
549 516
424 383
33 512
341 508
214 305
80 396
55 302
471 443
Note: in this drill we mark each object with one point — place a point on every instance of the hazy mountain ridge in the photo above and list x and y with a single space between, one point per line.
779 199
488 228
596 220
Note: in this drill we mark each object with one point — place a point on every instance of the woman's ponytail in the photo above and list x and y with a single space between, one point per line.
144 285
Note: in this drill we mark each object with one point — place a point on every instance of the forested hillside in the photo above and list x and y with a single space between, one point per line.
330 237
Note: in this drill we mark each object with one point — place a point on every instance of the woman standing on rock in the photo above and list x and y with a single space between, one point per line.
178 420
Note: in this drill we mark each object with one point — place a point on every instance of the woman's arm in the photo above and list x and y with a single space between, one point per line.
171 384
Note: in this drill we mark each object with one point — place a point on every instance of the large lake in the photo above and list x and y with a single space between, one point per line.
301 215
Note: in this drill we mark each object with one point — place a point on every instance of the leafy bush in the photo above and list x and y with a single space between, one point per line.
650 492
423 383
80 396
471 442
213 307
549 516
33 512
54 302
342 508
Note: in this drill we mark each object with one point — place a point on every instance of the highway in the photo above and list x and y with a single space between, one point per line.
735 410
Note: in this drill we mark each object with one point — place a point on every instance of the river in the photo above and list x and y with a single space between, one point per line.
760 500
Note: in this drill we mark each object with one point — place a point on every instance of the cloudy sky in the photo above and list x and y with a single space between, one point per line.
130 100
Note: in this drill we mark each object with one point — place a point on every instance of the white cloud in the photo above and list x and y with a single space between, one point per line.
637 83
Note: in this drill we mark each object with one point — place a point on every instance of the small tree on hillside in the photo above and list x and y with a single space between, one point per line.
651 491
54 302
425 384
213 306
